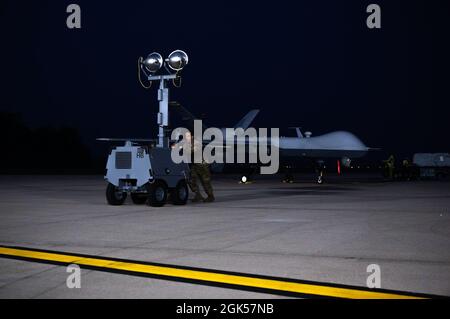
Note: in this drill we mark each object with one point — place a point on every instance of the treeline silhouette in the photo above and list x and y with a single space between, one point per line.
41 150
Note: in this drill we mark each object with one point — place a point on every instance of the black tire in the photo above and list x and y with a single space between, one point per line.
180 194
139 198
113 196
157 193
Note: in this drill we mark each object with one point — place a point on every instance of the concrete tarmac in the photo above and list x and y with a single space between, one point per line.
327 233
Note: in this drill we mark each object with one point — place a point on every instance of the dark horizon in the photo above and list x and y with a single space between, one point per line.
312 64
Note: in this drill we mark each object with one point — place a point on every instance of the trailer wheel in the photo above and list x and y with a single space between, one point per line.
180 193
157 194
138 199
114 196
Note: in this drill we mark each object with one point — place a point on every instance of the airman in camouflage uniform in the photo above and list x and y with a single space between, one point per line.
389 166
199 172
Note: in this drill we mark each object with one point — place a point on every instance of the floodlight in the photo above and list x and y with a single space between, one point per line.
177 60
153 62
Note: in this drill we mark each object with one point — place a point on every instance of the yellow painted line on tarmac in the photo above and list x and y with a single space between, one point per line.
205 276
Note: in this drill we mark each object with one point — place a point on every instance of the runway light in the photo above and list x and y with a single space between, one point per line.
153 62
244 179
177 60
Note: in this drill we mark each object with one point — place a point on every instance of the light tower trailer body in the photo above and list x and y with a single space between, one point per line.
147 173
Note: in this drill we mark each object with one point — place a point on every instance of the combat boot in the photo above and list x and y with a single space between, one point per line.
197 198
209 199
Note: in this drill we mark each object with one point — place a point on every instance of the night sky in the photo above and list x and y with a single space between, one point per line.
313 64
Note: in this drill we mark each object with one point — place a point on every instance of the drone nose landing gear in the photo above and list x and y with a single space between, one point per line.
320 169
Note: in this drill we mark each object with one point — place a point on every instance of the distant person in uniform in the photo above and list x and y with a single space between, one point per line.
406 169
389 165
199 172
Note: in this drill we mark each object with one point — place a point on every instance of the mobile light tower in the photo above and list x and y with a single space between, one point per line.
139 168
150 66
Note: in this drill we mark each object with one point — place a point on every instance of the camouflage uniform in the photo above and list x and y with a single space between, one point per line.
389 165
200 171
